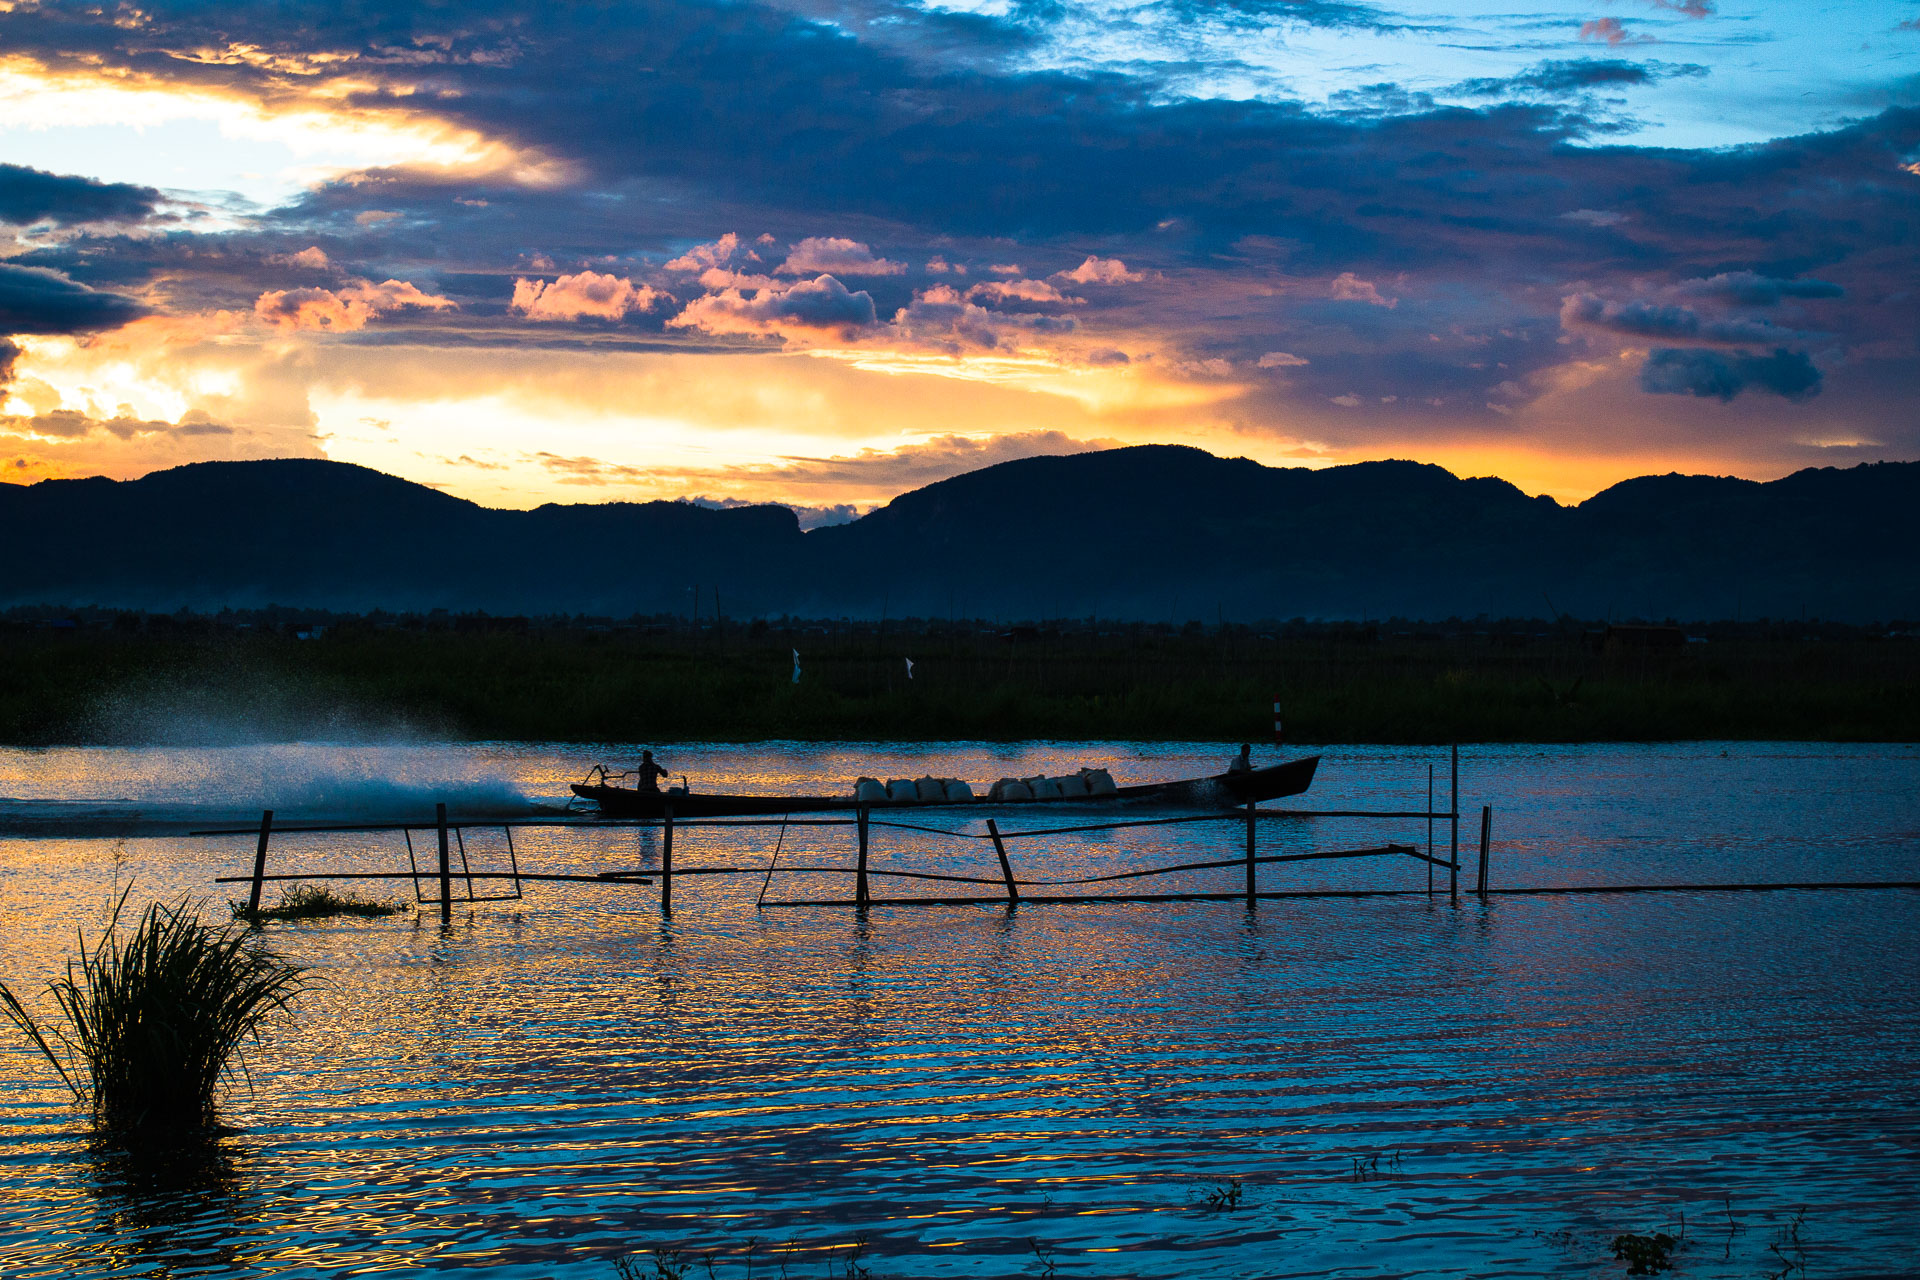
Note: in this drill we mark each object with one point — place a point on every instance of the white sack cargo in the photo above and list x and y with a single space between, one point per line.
1099 782
1044 788
1071 785
1008 790
958 790
930 788
902 789
869 791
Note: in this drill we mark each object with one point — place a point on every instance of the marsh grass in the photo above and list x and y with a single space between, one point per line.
154 1017
316 902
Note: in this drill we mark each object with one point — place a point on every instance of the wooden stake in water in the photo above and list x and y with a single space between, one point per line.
1252 897
1453 870
1006 867
1429 829
860 875
1486 839
446 867
260 861
666 862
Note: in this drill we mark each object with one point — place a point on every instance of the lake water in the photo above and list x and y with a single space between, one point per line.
1399 1086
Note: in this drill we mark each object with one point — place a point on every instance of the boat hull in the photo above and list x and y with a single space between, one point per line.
1222 791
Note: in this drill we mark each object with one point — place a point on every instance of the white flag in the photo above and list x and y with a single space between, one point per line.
909 668
796 666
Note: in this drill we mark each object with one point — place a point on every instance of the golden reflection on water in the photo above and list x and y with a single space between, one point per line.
571 1078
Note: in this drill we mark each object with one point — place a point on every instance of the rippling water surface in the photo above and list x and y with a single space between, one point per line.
1398 1086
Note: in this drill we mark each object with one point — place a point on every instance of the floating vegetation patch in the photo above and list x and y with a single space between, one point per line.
317 902
153 1018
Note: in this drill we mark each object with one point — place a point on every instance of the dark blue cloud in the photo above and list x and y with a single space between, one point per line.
1724 375
35 300
1749 288
1561 77
34 195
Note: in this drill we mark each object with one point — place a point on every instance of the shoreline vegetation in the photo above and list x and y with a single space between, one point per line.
100 677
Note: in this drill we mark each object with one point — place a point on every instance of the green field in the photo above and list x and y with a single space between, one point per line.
613 684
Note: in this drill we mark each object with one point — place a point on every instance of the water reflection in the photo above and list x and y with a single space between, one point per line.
167 1207
552 1083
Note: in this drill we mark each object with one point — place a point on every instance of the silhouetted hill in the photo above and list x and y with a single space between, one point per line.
332 535
1155 531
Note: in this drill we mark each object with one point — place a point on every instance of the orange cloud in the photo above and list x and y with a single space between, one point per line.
1100 271
831 254
806 308
343 310
588 293
1347 287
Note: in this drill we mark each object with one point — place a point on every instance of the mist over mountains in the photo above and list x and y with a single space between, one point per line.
1154 532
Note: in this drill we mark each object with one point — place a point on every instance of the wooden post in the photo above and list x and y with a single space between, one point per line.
666 862
1251 898
260 862
860 875
1006 868
1429 829
1453 871
446 867
1486 839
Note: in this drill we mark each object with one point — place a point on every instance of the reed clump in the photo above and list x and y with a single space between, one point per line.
154 1017
316 902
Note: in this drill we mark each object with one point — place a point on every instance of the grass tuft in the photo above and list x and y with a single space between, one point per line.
316 902
155 1017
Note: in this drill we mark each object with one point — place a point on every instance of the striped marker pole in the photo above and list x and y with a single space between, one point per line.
1276 723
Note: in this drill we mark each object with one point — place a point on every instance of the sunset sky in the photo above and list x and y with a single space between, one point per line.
823 251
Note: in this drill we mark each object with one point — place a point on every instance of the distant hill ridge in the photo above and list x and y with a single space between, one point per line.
1152 532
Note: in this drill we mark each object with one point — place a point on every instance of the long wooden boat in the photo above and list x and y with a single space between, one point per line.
1221 791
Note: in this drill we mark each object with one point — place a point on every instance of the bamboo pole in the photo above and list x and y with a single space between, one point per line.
1429 828
446 867
260 861
1453 809
1251 889
860 894
1006 867
1486 840
666 862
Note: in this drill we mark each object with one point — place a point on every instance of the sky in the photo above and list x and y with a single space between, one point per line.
821 252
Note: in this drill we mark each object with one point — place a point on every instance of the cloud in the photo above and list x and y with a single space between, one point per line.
1099 271
1347 287
34 195
1565 77
834 256
809 517
589 293
38 300
945 320
9 360
1021 291
72 424
1280 360
313 258
1691 8
1724 375
343 310
916 465
807 308
1611 31
706 257
1665 323
1751 289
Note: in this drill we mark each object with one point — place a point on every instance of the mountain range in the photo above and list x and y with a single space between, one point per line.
1152 532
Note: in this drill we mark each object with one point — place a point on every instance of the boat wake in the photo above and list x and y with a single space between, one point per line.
168 791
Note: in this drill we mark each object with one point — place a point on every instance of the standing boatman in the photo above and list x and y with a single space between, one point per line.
1242 763
649 773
